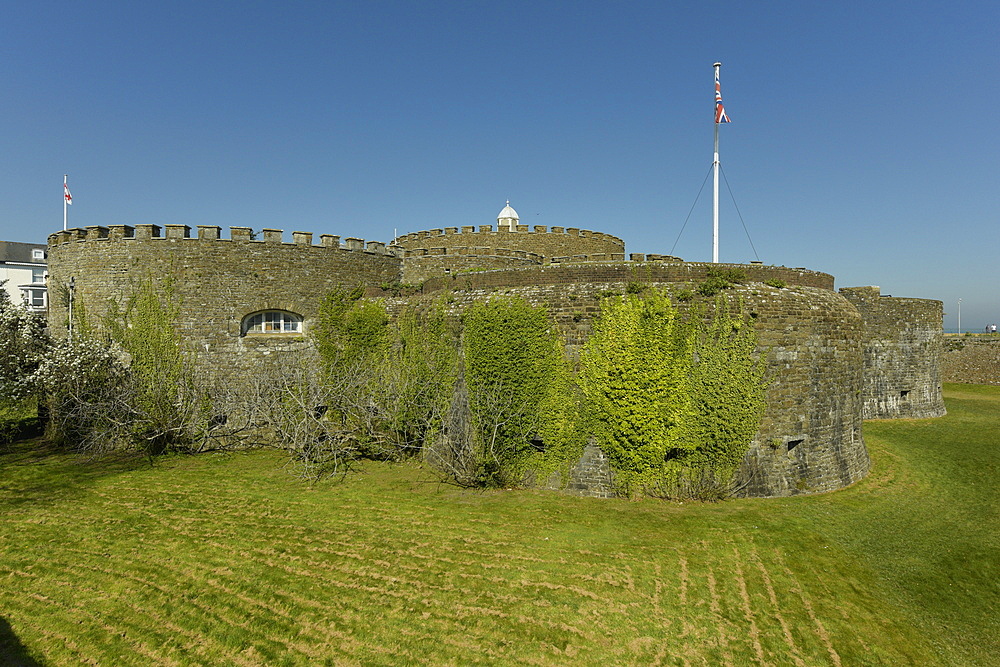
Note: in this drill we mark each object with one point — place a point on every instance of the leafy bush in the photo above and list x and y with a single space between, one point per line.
90 397
720 279
732 276
684 295
391 382
349 330
23 343
635 287
713 285
133 389
521 403
674 403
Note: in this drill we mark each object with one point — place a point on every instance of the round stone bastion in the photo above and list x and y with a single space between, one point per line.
810 437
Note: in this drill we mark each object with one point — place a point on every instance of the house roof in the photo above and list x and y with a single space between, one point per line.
12 251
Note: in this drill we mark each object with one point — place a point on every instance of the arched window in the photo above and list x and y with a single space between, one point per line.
271 322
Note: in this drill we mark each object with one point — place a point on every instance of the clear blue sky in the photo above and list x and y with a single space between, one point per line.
863 140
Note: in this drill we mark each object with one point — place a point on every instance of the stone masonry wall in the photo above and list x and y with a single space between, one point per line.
421 264
217 282
971 359
623 272
554 242
902 361
810 437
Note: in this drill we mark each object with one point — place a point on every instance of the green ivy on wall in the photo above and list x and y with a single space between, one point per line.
520 392
673 401
350 331
418 373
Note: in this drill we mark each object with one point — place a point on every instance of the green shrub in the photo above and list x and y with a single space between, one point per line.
520 394
417 376
684 295
732 276
160 382
349 331
635 287
713 285
674 403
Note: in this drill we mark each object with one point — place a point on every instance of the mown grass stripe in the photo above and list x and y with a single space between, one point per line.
384 568
748 613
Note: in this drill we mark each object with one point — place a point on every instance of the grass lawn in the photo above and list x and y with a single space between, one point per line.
227 559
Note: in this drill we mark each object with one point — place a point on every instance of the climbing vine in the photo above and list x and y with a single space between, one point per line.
350 331
674 401
388 381
520 392
727 388
417 376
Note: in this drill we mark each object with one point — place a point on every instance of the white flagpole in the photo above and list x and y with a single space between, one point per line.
715 180
66 202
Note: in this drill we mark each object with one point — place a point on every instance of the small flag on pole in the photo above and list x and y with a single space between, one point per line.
720 111
67 199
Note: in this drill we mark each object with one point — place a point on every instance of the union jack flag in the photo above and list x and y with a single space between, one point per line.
720 111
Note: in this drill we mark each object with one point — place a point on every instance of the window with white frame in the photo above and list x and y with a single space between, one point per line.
38 276
37 254
272 322
34 298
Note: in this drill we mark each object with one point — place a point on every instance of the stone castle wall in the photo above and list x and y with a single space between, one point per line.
665 271
539 239
902 361
971 359
217 282
423 263
810 437
831 358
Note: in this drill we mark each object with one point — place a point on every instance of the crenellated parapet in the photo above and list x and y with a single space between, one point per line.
237 235
216 282
538 239
420 264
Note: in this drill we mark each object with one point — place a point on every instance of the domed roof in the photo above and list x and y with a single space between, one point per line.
508 212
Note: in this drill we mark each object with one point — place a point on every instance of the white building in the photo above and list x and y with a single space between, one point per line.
24 267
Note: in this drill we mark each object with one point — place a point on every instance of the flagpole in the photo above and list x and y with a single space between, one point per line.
66 188
715 181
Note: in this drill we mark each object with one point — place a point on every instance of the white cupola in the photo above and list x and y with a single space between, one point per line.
508 218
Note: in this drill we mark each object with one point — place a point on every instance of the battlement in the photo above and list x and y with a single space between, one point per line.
612 257
865 293
479 251
420 238
211 233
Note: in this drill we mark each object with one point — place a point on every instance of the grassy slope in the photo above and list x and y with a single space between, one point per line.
226 560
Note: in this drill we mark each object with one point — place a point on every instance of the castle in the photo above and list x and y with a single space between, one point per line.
833 358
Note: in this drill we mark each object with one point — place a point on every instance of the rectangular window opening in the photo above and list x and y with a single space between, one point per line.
904 393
